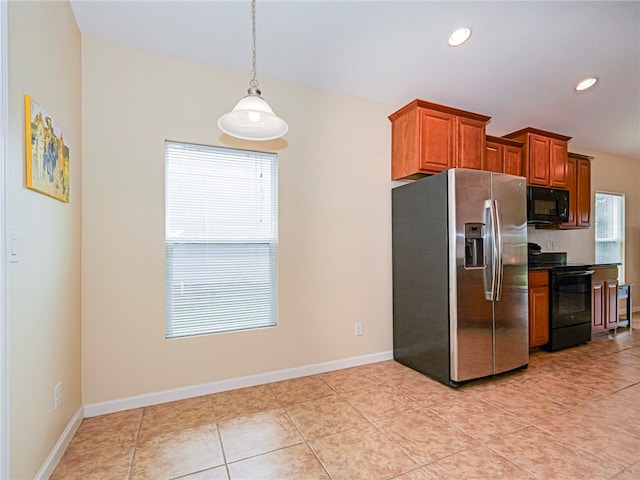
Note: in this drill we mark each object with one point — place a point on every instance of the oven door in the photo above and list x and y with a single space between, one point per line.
570 298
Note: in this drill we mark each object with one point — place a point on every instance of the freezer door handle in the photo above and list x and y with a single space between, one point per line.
490 272
497 241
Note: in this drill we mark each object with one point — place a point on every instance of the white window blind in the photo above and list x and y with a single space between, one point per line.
221 239
610 229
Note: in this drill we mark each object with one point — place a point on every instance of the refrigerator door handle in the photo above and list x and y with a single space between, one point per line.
490 271
497 241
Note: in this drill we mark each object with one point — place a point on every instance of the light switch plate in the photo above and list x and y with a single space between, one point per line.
14 256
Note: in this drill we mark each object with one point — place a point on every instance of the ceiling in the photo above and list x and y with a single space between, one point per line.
519 67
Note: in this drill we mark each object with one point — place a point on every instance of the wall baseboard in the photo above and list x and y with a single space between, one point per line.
61 445
182 393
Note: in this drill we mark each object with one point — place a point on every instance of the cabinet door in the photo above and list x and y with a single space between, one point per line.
558 163
471 143
493 158
611 304
538 157
437 141
597 306
571 186
538 316
583 193
513 161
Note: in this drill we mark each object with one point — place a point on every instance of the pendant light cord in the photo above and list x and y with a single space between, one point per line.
253 83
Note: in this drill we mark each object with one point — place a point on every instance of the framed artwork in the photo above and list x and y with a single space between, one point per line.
47 155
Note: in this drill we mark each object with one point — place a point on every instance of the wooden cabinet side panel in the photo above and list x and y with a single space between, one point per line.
583 193
597 306
538 160
558 163
471 143
404 146
513 164
437 141
611 304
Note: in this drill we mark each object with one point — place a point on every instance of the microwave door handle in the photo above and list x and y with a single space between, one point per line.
563 207
497 231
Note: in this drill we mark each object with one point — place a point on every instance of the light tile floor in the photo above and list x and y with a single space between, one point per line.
572 415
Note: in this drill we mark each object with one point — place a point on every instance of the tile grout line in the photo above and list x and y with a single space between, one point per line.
306 442
135 445
224 455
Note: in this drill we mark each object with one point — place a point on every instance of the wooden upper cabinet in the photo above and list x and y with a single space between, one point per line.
538 159
437 142
493 158
513 163
578 181
503 156
471 143
558 163
545 156
571 186
427 138
583 190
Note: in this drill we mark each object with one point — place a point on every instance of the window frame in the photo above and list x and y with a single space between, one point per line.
220 246
620 232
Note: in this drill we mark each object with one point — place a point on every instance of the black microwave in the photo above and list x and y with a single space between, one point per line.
547 206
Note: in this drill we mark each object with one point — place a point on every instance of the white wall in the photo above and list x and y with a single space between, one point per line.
44 62
334 223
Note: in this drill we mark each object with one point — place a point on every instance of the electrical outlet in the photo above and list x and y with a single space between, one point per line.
57 395
358 328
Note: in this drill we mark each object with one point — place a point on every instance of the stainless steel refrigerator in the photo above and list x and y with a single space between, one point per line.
460 300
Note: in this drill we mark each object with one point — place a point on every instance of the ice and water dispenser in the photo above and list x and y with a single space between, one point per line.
474 245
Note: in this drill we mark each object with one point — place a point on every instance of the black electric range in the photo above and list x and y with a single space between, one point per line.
569 299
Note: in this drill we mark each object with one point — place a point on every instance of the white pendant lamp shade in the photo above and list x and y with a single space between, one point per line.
252 119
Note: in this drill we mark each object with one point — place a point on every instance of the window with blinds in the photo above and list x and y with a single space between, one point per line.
221 239
610 229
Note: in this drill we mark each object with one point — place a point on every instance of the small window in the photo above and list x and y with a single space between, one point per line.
220 239
610 229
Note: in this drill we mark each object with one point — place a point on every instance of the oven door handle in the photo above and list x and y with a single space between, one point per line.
583 273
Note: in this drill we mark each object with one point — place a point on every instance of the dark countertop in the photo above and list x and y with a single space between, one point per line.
539 267
587 265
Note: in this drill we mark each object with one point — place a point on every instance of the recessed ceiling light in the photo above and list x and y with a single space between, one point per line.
586 83
460 36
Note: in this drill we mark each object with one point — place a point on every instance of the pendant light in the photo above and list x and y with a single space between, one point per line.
252 118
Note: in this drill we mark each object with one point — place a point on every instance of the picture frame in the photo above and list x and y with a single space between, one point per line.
47 154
